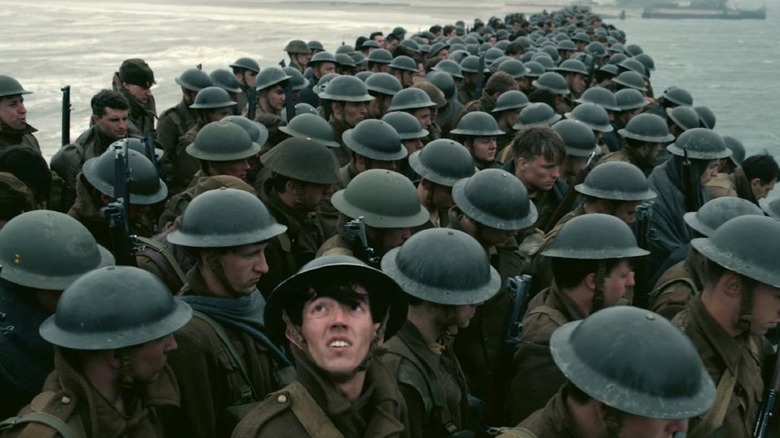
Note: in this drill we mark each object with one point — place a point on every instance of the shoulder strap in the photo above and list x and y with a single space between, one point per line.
310 414
247 393
556 315
163 250
39 417
713 418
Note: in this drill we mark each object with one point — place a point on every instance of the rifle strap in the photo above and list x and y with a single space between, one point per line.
163 250
39 417
713 418
556 315
310 414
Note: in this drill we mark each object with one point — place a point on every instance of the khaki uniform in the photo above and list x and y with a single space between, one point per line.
142 117
675 288
628 155
181 166
536 377
327 214
465 95
12 137
312 407
70 397
504 143
541 268
734 363
430 380
484 104
209 383
172 125
735 184
552 421
343 154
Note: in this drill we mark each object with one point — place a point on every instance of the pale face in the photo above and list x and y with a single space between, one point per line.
247 78
324 68
351 113
766 308
301 59
413 145
243 266
112 124
423 115
627 212
761 191
12 112
314 195
338 335
615 284
538 173
483 149
275 98
139 93
710 172
378 107
150 358
237 168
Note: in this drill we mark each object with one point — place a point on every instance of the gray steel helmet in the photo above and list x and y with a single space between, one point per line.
633 49
492 54
545 61
346 89
451 67
592 115
380 56
572 66
616 181
360 59
443 162
630 79
599 96
701 144
322 84
552 82
363 76
315 45
578 138
632 372
535 69
470 64
398 207
258 133
404 63
322 57
684 116
511 100
313 127
225 218
647 127
442 81
443 266
706 116
436 48
496 199
45 249
194 79
11 87
297 47
409 99
581 37
269 77
737 149
376 140
299 109
614 61
410 45
617 48
717 212
406 125
222 141
566 45
303 159
114 307
383 83
629 99
225 80
646 61
344 60
297 81
772 208
607 70
595 236
535 114
477 124
212 98
385 295
596 50
514 67
746 245
678 96
551 50
145 186
630 64
246 64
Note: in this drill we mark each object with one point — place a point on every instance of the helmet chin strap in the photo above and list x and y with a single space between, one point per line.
745 321
215 264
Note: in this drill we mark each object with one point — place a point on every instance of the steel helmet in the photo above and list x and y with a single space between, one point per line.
410 99
737 149
678 96
222 141
297 81
303 159
346 89
269 77
578 138
406 125
313 127
404 63
145 186
629 99
477 124
212 98
684 116
630 79
225 80
451 67
572 66
514 67
194 79
376 140
595 236
706 116
717 212
443 162
700 144
246 64
535 114
11 87
593 116
511 100
599 96
383 83
380 56
616 181
496 199
257 131
648 128
297 47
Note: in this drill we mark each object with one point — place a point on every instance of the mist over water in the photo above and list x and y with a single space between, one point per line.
729 66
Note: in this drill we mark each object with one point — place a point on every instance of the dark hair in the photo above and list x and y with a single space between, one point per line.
359 42
374 34
29 167
539 141
500 82
448 29
436 28
568 273
761 166
108 99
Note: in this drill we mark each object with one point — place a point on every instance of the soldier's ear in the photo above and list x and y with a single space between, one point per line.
290 335
590 281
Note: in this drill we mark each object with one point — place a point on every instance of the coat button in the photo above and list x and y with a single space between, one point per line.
282 398
65 400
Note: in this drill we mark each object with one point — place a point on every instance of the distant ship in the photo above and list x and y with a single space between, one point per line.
702 9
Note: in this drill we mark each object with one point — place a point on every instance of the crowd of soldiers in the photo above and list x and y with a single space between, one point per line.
492 230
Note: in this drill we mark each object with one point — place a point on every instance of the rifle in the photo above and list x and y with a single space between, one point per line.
65 114
356 231
6 329
117 212
690 183
480 75
149 150
518 287
644 234
768 403
289 105
567 203
282 64
251 107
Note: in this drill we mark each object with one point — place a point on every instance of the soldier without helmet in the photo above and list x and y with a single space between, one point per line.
135 79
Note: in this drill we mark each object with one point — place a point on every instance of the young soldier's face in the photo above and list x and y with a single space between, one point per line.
113 123
12 112
150 358
243 266
766 308
634 426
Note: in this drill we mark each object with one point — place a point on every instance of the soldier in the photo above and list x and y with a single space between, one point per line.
447 276
13 115
95 188
596 118
507 112
109 123
212 104
626 387
221 148
728 165
575 73
440 165
684 277
444 82
112 331
378 61
493 207
310 126
382 86
411 134
404 69
437 97
225 80
373 144
344 100
590 262
134 80
321 64
752 180
303 173
30 287
15 198
467 89
737 305
498 84
415 102
245 71
387 220
477 131
176 121
225 360
270 99
335 313
581 148
299 54
643 139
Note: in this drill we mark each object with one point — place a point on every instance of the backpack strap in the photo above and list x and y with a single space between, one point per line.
39 417
713 418
160 248
310 414
556 315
